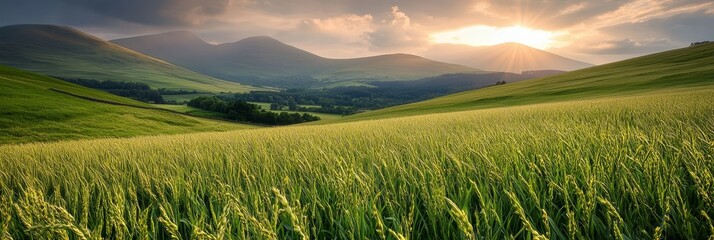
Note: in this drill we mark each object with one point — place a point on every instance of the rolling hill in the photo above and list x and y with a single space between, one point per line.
266 61
673 70
506 57
69 53
39 108
607 168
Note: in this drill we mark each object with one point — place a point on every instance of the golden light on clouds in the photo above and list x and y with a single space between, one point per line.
488 35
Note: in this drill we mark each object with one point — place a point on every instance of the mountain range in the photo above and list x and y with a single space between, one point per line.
70 53
182 60
506 57
266 61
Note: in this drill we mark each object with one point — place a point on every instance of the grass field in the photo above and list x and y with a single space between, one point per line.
620 151
192 111
30 112
634 167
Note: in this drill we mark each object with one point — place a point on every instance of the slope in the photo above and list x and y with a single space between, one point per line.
266 61
39 108
506 57
593 169
686 68
66 52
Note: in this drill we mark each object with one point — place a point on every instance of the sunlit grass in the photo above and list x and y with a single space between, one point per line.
30 112
616 168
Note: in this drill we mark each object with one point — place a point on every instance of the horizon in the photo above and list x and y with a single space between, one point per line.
583 31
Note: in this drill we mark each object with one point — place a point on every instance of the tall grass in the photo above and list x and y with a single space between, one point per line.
621 168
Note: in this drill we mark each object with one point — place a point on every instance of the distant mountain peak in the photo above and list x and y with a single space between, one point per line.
513 44
261 39
505 57
70 53
179 33
264 60
180 37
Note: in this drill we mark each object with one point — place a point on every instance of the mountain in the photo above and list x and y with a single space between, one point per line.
506 57
682 69
266 61
69 53
39 108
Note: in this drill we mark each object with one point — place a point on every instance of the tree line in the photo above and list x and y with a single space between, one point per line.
339 100
699 43
242 111
352 99
133 90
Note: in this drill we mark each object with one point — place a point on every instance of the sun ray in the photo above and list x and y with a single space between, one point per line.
487 35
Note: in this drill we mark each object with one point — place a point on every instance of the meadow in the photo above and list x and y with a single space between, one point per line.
628 167
685 67
32 109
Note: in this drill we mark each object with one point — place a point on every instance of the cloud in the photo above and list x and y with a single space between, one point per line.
682 28
157 12
397 33
346 28
648 36
337 36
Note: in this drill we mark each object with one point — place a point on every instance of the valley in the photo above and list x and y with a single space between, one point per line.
160 134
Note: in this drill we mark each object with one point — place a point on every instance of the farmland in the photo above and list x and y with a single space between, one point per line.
620 167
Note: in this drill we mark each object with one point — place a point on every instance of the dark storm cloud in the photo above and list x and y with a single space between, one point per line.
157 12
118 14
44 11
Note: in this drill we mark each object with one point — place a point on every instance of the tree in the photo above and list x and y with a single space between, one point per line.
292 106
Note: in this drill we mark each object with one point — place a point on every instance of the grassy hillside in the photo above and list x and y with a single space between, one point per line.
66 52
637 167
689 67
30 111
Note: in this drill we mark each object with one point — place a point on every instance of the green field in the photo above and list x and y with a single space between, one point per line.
31 112
691 66
192 111
630 168
620 151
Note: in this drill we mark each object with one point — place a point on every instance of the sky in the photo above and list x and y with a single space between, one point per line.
591 31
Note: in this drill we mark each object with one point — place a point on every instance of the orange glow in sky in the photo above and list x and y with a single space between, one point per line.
487 35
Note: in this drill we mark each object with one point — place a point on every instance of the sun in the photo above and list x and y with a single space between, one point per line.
488 35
